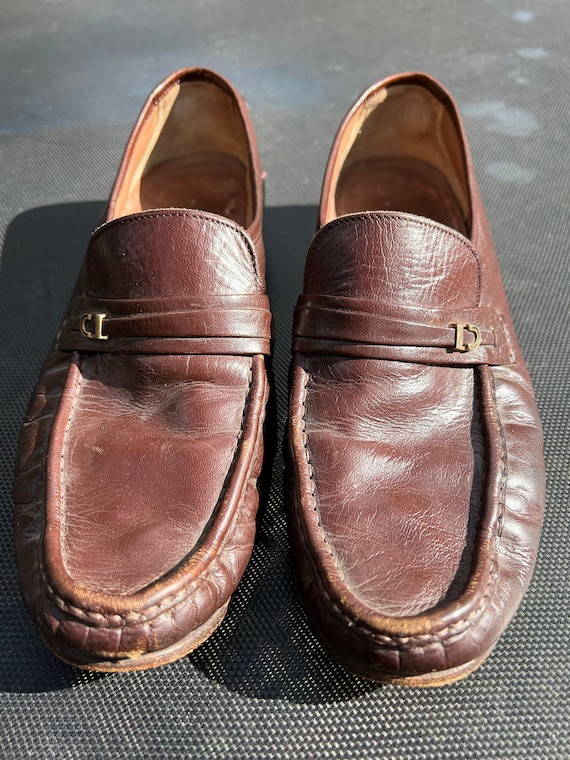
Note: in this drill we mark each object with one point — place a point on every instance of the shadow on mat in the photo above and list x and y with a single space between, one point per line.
41 256
264 649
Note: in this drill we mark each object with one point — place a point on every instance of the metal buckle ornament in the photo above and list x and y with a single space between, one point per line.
460 343
97 332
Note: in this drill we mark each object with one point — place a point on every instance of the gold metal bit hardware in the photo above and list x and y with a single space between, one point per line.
97 332
460 344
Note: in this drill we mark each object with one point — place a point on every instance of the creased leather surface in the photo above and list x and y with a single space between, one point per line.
396 541
144 465
122 627
398 258
418 487
204 254
262 685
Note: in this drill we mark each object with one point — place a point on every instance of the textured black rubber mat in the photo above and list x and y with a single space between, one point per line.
73 76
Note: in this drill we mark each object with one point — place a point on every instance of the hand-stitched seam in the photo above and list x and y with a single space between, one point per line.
179 598
400 641
425 639
310 466
63 445
504 465
135 619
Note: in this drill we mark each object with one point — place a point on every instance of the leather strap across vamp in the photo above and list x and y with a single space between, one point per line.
416 448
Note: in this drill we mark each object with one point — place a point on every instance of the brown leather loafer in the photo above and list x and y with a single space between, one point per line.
136 477
417 467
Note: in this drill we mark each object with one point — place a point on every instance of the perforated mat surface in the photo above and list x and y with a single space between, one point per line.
73 76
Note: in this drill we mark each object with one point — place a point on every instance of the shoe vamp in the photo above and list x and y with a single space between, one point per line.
397 457
148 448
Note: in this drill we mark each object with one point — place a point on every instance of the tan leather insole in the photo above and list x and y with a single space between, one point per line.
205 180
398 184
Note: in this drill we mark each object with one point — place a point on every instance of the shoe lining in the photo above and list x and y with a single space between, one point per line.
401 151
190 152
398 184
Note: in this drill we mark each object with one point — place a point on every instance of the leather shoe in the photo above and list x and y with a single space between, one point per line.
136 476
416 447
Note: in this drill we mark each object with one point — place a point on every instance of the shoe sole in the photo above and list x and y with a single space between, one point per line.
422 680
150 659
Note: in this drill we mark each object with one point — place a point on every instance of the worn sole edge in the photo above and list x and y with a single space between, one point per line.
421 680
432 678
150 659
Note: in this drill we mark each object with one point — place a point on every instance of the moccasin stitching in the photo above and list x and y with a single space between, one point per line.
434 636
134 619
